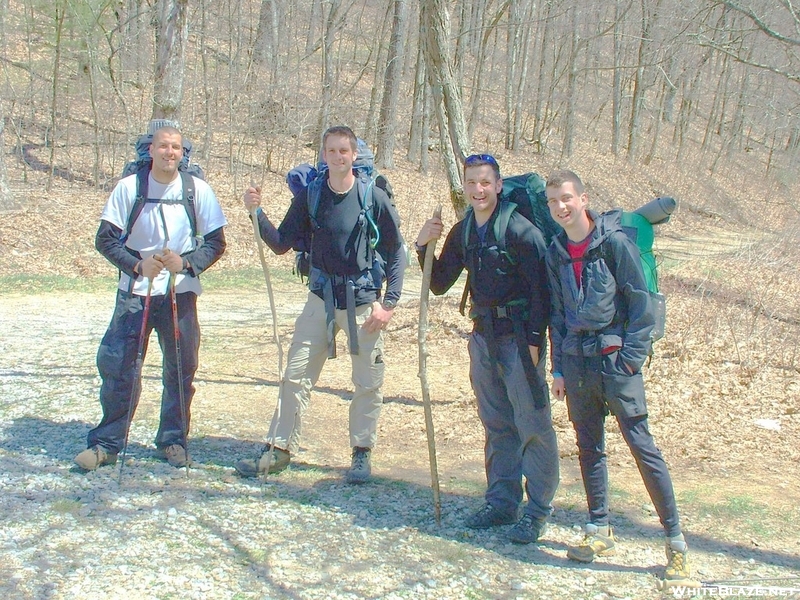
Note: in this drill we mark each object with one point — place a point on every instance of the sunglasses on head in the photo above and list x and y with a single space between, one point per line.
480 158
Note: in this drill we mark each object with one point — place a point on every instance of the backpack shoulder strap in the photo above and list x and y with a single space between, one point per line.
469 217
142 177
313 196
367 201
188 200
501 223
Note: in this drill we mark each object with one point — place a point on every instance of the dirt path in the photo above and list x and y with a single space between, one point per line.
741 523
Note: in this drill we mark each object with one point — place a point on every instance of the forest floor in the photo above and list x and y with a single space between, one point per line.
724 411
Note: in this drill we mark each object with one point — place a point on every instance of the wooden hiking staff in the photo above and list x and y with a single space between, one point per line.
275 338
422 334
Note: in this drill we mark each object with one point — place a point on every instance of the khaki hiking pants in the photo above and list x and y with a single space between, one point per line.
307 355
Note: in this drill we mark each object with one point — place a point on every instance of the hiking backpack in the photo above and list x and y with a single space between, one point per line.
306 176
141 167
526 194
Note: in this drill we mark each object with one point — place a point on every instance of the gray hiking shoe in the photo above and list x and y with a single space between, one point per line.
489 516
94 457
176 455
527 530
272 460
360 467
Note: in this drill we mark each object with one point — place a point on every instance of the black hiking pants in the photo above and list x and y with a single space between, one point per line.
116 362
595 388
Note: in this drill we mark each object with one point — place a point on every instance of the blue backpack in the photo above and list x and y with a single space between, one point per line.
306 176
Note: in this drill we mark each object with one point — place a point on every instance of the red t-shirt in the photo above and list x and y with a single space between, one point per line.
577 250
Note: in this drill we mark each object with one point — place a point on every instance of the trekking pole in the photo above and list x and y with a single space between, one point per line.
176 333
422 333
275 338
136 390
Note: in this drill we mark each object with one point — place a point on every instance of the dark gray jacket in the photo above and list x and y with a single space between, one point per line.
612 307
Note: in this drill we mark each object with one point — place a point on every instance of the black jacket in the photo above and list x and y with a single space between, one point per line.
495 279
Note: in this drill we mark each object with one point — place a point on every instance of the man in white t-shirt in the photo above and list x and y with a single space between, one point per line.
179 232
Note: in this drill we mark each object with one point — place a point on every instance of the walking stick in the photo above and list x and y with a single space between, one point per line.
136 390
275 338
423 369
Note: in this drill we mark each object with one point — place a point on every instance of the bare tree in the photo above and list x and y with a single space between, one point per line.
327 64
435 28
266 47
387 125
61 10
171 38
415 135
776 23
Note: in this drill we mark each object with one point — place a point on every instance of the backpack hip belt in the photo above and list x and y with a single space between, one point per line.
319 280
517 310
532 375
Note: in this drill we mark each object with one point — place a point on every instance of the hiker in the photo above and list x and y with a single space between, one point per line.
160 243
600 333
345 283
507 348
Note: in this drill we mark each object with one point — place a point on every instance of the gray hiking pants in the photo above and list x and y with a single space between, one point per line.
520 440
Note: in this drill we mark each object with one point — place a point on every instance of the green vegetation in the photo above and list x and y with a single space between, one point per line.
43 284
249 278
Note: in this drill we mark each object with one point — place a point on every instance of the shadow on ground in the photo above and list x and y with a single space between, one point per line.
373 505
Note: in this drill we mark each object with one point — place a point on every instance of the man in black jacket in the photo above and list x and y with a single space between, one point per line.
161 242
509 309
355 244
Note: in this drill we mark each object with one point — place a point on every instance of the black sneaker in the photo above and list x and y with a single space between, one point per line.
527 530
360 467
489 516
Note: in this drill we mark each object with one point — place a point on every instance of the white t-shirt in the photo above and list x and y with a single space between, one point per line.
151 233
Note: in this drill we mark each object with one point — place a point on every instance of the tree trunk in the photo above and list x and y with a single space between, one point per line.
452 167
61 9
327 66
387 124
435 31
476 95
370 131
572 78
417 109
616 85
266 52
7 202
172 34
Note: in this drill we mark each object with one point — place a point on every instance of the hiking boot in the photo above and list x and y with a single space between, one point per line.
175 455
677 571
597 541
272 460
94 457
489 516
360 467
527 530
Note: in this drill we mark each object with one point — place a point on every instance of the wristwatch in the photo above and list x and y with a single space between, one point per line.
389 304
